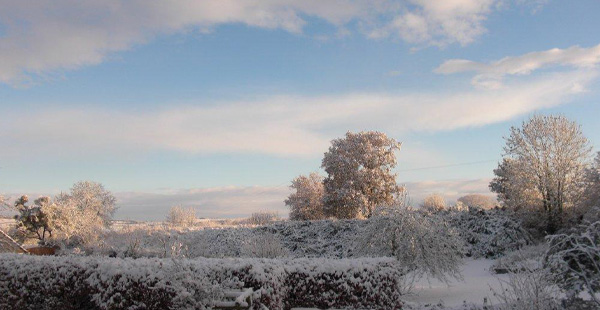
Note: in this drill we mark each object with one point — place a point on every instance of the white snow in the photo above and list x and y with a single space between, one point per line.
472 289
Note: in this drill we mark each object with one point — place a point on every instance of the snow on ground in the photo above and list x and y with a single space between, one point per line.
472 289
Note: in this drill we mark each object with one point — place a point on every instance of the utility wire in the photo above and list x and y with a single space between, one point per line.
446 166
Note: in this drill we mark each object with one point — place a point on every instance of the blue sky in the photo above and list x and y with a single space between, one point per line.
218 105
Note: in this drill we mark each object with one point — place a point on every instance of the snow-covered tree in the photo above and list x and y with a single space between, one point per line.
92 198
32 220
359 174
306 203
71 224
478 201
434 202
182 217
423 243
543 168
592 193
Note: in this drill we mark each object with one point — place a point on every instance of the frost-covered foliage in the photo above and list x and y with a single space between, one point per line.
488 233
574 260
526 258
359 174
91 198
103 283
181 217
423 244
478 201
299 238
32 220
544 167
264 245
306 203
434 203
263 218
530 289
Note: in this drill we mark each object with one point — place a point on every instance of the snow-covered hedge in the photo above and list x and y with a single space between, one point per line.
68 282
488 233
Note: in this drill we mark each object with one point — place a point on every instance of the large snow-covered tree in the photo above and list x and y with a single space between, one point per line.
359 174
306 202
92 198
543 168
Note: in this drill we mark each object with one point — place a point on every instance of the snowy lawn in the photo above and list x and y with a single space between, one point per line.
472 289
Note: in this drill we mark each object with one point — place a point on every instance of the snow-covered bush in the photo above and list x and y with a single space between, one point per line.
422 243
265 245
574 260
530 289
488 233
181 217
263 218
110 283
526 258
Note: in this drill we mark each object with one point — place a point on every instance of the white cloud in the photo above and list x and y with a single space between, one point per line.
43 37
490 75
285 125
439 22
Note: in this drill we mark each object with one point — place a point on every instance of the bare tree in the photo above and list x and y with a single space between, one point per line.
478 201
543 167
359 174
434 202
306 203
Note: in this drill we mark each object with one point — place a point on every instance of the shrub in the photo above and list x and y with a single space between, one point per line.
263 218
422 243
574 260
488 233
264 245
529 289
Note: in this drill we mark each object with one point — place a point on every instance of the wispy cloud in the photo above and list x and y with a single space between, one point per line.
439 22
490 75
280 125
42 37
